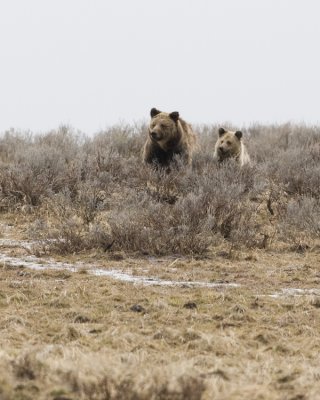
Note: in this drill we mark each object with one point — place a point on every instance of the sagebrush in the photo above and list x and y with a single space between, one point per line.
95 192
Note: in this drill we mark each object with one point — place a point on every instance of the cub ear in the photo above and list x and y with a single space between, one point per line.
154 112
222 131
238 134
174 115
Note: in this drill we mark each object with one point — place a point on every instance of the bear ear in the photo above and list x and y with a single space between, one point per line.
174 115
154 112
222 131
238 134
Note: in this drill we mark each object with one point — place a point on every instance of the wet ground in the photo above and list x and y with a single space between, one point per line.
170 271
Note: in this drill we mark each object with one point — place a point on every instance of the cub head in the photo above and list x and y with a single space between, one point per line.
163 126
228 144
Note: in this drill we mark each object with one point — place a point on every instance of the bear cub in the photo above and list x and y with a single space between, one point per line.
230 146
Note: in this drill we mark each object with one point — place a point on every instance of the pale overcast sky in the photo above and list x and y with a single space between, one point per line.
94 63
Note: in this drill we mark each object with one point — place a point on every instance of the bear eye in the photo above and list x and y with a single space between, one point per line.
162 126
228 142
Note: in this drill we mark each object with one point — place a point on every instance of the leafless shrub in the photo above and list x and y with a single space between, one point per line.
87 188
45 165
204 209
76 223
301 223
125 140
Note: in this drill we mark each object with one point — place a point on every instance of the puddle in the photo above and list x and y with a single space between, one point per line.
33 262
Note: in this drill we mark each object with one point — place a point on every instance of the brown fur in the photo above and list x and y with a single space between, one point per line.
168 136
230 145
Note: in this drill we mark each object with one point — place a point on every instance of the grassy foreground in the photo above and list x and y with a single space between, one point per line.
70 335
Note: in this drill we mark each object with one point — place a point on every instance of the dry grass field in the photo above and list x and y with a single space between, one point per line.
123 283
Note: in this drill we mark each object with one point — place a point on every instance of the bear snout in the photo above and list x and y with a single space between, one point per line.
155 135
222 150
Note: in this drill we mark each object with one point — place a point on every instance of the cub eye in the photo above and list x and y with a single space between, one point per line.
228 142
162 126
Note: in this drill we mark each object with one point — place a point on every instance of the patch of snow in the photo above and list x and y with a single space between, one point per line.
295 292
35 263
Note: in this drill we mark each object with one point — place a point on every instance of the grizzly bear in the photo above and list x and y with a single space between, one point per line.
230 146
169 136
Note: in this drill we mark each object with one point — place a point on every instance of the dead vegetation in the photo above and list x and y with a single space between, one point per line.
95 193
68 336
77 336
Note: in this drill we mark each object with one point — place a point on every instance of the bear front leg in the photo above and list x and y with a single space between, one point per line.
148 153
